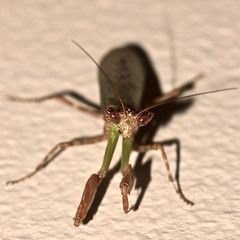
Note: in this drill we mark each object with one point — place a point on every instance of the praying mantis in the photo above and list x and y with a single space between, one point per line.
122 80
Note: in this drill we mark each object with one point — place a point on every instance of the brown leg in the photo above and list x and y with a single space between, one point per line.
56 150
59 97
87 198
178 91
90 190
158 146
126 186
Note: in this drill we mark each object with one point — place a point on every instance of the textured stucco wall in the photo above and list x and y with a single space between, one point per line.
37 57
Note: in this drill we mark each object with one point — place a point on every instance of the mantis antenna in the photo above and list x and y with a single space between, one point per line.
104 73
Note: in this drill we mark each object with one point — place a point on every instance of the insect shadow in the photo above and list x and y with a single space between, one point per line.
145 135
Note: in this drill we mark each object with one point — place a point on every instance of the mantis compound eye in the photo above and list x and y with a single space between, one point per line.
144 118
112 114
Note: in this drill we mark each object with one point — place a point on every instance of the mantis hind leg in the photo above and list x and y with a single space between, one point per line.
62 98
178 91
176 185
57 149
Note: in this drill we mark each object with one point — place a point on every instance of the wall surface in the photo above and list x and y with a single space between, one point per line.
183 38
